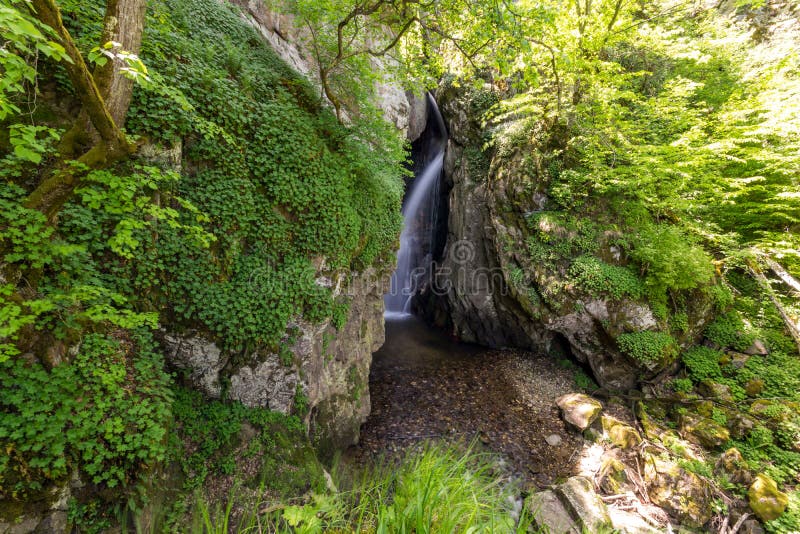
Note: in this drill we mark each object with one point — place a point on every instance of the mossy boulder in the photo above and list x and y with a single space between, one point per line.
705 431
680 492
579 410
766 500
622 435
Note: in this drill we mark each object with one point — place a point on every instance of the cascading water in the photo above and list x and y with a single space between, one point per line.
420 212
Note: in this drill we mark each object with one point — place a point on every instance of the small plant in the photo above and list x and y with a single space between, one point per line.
648 347
702 363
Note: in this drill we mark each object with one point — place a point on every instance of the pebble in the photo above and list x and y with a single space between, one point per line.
553 440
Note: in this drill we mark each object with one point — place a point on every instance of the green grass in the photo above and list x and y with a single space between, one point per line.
437 488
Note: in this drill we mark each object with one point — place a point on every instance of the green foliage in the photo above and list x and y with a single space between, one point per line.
648 347
105 413
702 363
682 385
23 38
208 434
728 330
437 488
656 248
596 276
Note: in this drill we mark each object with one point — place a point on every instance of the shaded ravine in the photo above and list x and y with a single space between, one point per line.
424 386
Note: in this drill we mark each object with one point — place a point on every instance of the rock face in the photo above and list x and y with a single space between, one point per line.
490 289
317 364
278 29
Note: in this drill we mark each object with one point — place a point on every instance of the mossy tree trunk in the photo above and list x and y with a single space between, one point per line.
104 95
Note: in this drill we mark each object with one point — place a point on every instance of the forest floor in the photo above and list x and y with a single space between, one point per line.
424 386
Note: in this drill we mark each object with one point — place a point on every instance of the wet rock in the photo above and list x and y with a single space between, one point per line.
579 410
765 499
757 348
705 431
622 435
681 493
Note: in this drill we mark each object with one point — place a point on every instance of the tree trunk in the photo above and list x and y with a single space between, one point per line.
124 24
113 145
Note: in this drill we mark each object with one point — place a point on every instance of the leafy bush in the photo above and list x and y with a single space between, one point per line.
105 413
648 347
670 260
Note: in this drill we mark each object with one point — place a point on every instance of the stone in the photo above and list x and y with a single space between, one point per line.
678 491
550 515
766 500
578 494
622 435
626 522
198 355
705 431
612 478
715 390
754 387
733 464
554 440
757 348
579 410
740 425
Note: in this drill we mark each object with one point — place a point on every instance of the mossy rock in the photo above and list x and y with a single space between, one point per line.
766 500
622 435
579 410
705 431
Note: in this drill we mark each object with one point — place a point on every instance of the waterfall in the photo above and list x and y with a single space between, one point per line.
420 212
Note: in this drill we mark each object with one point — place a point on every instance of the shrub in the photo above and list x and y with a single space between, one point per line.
105 413
728 330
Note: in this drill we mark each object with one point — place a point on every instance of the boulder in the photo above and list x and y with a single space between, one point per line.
766 500
569 508
678 491
626 522
733 464
757 348
622 435
550 515
705 431
579 496
612 477
579 410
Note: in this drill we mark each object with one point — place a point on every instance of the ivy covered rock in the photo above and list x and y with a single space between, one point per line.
544 268
765 499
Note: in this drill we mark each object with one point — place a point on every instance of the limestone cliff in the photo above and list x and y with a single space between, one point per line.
489 288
